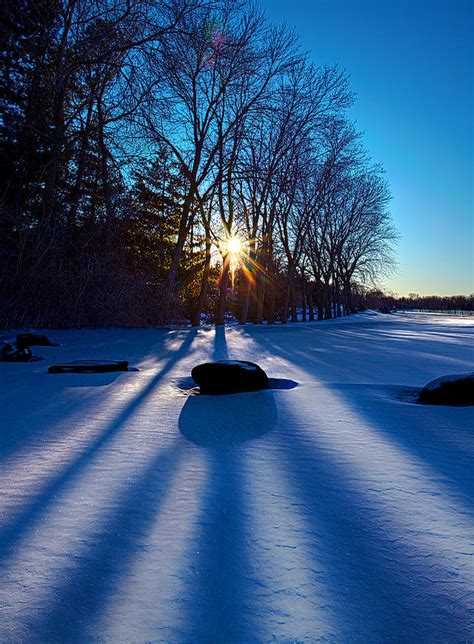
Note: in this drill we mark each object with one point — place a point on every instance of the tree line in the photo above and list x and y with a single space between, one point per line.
168 160
387 302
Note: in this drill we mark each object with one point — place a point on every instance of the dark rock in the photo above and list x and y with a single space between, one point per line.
229 376
15 353
455 390
33 340
89 366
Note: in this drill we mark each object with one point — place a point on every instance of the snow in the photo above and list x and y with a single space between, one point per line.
338 510
238 363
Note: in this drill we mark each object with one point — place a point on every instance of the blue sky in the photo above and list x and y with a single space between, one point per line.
411 67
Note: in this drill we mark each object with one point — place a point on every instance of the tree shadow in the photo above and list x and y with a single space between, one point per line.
81 597
220 350
366 342
219 422
223 589
380 573
383 588
10 537
31 393
424 431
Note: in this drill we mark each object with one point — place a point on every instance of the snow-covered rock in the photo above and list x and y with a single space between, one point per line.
33 340
456 389
229 376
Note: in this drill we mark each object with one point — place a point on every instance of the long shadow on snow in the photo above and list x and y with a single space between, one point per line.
29 406
81 598
220 350
421 432
365 342
383 567
9 538
222 597
40 396
381 587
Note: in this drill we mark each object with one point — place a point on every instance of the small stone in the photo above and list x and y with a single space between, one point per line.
456 390
229 376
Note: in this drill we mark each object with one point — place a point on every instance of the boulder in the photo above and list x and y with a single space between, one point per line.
15 353
33 340
229 376
455 390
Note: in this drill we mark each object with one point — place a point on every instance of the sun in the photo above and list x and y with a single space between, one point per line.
234 246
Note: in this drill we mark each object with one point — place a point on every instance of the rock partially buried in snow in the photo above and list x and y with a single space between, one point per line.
229 376
449 390
34 340
89 366
15 353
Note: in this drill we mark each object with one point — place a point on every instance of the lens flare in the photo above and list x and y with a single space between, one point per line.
234 246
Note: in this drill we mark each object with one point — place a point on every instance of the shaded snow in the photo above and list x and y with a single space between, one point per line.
338 510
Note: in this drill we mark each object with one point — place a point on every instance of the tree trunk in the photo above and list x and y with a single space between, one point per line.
244 311
223 284
310 303
327 302
58 126
169 285
81 164
303 299
106 187
320 303
335 300
286 301
271 304
260 296
196 315
249 285
294 314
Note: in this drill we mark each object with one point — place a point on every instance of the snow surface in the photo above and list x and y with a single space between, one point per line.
339 510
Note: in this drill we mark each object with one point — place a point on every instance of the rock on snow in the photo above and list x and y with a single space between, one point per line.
456 389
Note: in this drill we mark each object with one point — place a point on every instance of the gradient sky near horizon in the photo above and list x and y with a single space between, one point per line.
411 68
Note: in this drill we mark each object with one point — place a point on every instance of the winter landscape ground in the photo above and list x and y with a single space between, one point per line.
332 507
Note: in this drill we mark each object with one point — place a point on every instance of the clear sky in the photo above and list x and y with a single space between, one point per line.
411 67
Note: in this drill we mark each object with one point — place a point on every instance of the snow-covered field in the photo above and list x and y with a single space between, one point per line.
337 510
